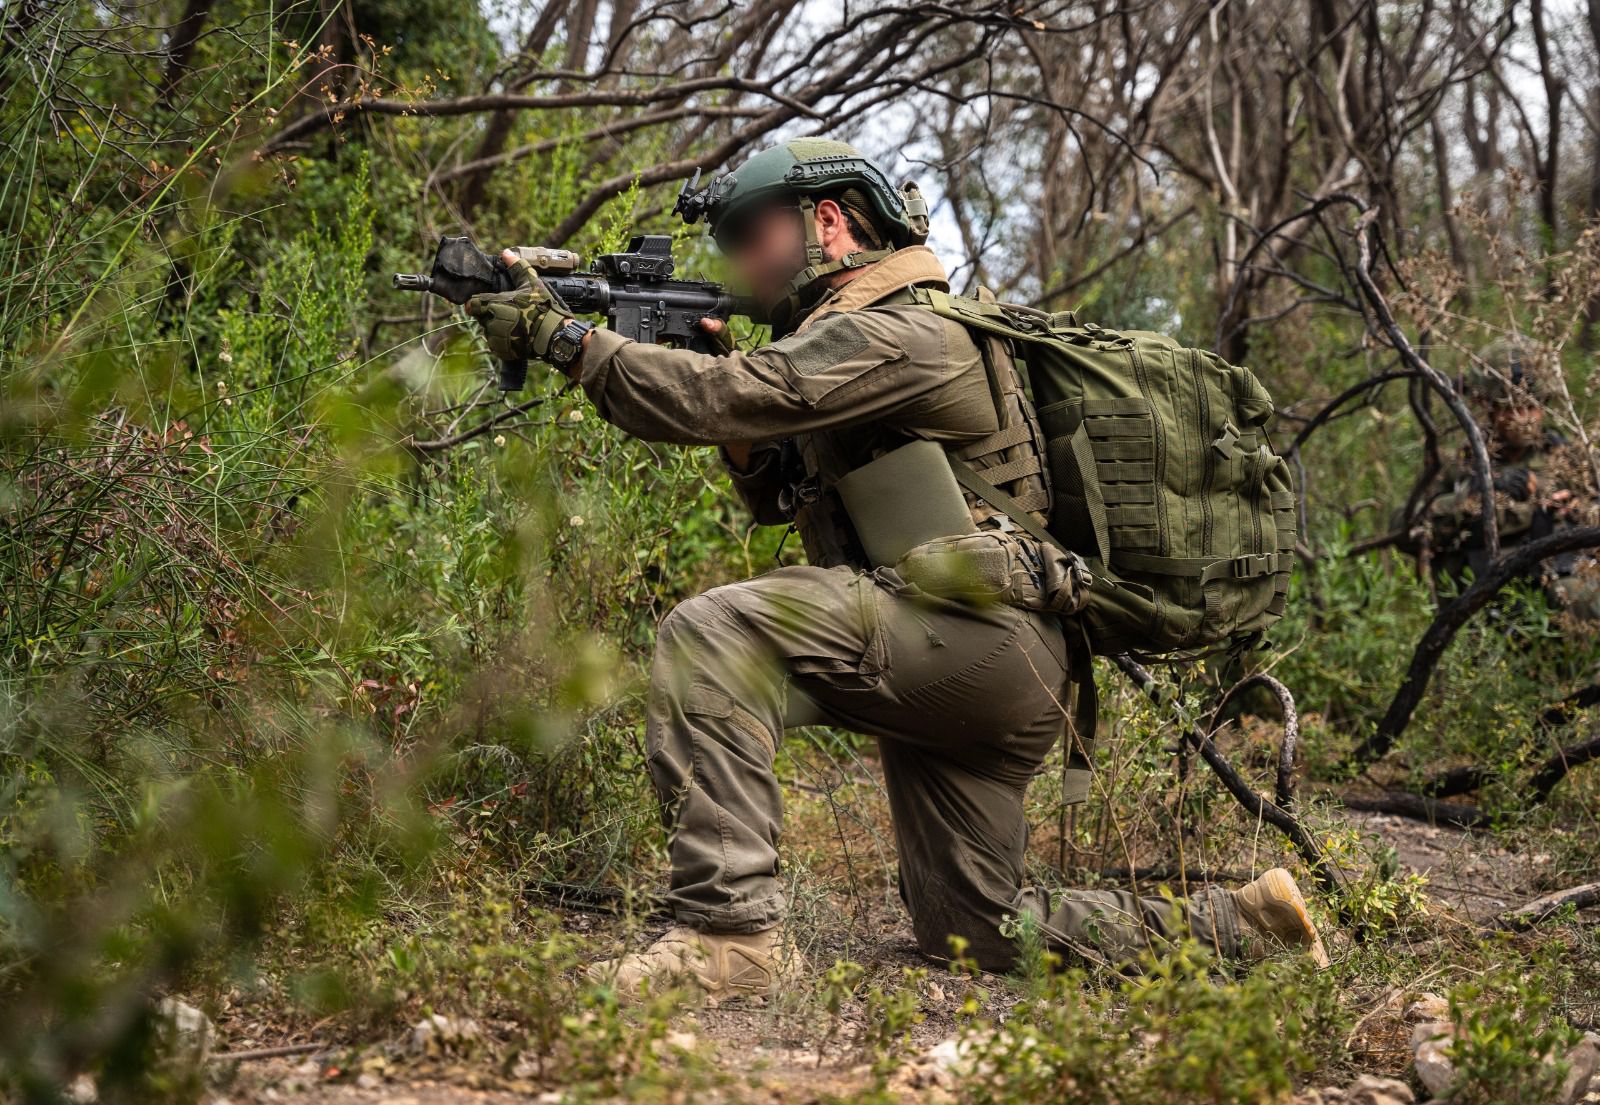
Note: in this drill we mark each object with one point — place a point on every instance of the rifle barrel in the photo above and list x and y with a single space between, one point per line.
592 294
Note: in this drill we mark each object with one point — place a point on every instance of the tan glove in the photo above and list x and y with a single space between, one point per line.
519 324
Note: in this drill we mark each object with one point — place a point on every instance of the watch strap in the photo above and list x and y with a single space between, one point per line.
574 330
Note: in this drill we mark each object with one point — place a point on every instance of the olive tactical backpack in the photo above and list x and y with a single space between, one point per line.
1162 478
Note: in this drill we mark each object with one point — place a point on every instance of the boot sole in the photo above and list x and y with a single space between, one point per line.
1281 890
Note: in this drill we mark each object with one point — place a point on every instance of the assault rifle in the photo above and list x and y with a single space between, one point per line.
633 289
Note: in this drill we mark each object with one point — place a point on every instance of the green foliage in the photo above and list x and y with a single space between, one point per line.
891 1015
1506 1045
1347 643
1378 896
265 665
1175 1032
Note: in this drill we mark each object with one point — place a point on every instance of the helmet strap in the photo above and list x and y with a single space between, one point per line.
808 222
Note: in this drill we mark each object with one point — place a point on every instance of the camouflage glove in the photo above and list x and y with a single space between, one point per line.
519 324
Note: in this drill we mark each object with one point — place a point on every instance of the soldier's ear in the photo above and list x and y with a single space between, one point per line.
831 222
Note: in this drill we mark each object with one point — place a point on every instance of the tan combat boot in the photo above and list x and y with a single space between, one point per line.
722 964
1275 918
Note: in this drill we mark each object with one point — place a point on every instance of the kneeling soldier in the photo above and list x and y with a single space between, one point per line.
962 685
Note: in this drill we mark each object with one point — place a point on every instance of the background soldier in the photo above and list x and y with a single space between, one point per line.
1535 492
965 696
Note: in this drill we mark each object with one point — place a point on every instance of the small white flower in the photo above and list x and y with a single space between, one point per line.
500 440
575 520
575 415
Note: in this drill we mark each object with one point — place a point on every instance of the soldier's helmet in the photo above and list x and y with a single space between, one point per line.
808 167
1501 373
799 173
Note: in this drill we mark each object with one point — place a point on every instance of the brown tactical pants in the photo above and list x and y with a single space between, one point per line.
966 703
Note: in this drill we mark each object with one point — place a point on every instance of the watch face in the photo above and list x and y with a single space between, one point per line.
563 348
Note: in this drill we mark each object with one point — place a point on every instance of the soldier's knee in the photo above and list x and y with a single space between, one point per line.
945 922
691 621
680 621
975 938
699 636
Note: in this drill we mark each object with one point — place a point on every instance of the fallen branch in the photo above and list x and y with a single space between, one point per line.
1254 804
1448 622
1471 777
1556 767
1291 729
1431 806
1541 909
1418 807
1560 713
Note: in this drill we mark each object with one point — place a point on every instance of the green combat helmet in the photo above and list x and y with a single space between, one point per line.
801 170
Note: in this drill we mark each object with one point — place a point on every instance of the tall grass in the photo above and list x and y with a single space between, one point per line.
262 659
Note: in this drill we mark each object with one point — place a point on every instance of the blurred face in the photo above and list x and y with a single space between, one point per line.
1517 426
767 247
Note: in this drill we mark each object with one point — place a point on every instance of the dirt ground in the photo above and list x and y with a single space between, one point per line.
778 1058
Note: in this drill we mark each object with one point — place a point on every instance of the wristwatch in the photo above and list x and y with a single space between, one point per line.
566 344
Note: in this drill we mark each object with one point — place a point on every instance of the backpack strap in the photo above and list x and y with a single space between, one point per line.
1002 502
1011 436
991 320
1203 568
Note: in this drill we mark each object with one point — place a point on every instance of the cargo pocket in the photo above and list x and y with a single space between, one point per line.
827 361
708 703
860 672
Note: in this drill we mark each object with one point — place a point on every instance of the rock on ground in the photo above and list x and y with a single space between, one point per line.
1369 1089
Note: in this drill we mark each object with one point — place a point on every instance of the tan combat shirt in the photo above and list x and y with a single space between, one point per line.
865 372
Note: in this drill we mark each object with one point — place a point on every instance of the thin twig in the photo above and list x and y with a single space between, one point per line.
266 1052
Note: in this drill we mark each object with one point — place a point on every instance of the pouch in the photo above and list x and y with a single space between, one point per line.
992 566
